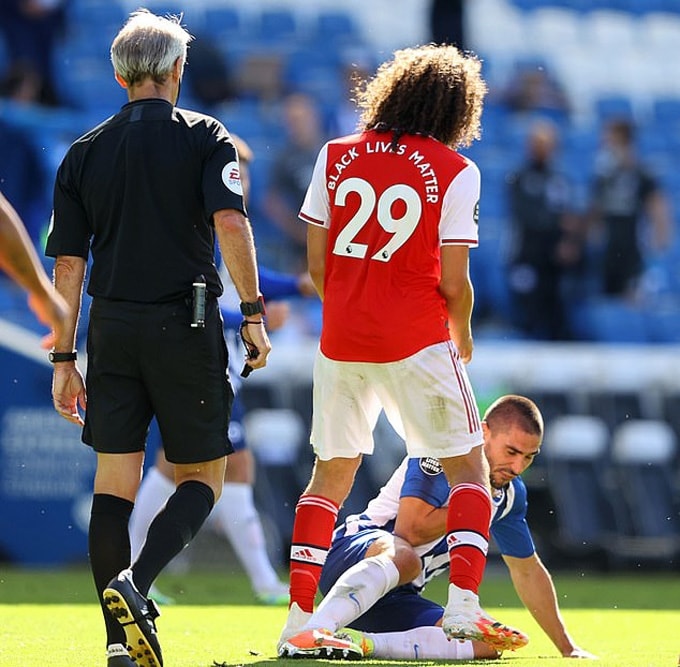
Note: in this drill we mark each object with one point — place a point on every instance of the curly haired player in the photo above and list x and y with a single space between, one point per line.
392 213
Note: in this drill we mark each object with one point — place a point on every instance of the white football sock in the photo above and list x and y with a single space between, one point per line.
426 643
154 490
355 591
236 517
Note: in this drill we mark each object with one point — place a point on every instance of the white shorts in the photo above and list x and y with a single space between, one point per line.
427 398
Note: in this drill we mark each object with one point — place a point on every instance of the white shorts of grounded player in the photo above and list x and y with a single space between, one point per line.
426 397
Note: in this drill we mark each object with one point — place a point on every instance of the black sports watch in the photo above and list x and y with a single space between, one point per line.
253 307
56 357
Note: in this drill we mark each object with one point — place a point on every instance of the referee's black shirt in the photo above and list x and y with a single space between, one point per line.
139 191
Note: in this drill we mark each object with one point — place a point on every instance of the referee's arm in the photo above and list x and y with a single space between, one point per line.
235 237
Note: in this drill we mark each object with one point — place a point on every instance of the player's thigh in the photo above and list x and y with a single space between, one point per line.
429 395
401 609
346 409
185 370
346 552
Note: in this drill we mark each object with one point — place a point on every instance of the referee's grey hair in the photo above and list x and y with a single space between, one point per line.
147 46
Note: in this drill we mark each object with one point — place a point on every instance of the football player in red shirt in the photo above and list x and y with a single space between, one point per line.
392 213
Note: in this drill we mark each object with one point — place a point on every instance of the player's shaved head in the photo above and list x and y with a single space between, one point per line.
432 90
512 410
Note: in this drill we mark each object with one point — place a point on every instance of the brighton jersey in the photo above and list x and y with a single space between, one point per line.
424 478
388 212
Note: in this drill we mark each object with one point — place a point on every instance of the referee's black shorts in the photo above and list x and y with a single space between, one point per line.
146 360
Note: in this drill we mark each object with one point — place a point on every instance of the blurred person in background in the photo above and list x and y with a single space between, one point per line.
447 22
24 179
625 197
533 88
546 238
19 260
31 29
289 176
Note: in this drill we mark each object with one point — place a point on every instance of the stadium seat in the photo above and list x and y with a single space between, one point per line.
613 106
642 453
609 30
553 28
276 26
575 448
335 28
614 321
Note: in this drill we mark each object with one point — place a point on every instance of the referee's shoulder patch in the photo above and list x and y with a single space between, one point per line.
231 177
430 466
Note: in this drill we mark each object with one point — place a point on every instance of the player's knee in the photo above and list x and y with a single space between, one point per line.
408 563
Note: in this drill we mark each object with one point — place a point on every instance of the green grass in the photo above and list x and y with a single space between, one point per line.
48 619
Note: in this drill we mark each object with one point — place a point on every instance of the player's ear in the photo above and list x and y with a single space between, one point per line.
121 80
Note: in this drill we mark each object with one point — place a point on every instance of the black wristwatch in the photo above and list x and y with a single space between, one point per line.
253 307
56 357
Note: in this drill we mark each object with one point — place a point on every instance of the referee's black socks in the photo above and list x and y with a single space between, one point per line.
109 550
172 530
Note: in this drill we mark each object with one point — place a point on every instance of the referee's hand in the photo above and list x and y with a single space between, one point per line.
68 391
256 340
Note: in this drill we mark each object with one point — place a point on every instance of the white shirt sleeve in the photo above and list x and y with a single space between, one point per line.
460 209
316 207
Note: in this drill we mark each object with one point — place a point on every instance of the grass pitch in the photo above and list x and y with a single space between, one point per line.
50 619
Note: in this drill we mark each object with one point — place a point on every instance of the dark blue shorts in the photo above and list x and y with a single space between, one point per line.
401 609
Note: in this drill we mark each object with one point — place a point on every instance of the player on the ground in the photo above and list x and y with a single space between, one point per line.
392 213
382 558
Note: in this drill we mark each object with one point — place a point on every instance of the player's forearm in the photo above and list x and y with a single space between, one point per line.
237 247
535 589
459 304
69 274
18 257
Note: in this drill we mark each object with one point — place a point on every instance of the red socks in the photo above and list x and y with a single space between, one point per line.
467 534
315 519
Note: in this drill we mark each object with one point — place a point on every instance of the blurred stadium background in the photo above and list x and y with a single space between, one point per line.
606 491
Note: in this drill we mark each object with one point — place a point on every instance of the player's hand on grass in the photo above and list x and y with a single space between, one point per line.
580 653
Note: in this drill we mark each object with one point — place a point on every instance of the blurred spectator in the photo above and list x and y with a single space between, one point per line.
355 70
208 76
624 194
290 174
23 179
31 28
531 87
546 238
447 22
21 83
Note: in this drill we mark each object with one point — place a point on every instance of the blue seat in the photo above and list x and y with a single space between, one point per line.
222 21
666 111
276 26
613 321
614 106
337 28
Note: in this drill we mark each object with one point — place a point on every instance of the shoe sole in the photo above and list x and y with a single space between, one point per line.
141 652
322 652
497 636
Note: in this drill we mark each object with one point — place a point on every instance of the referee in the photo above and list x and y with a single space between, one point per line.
145 193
